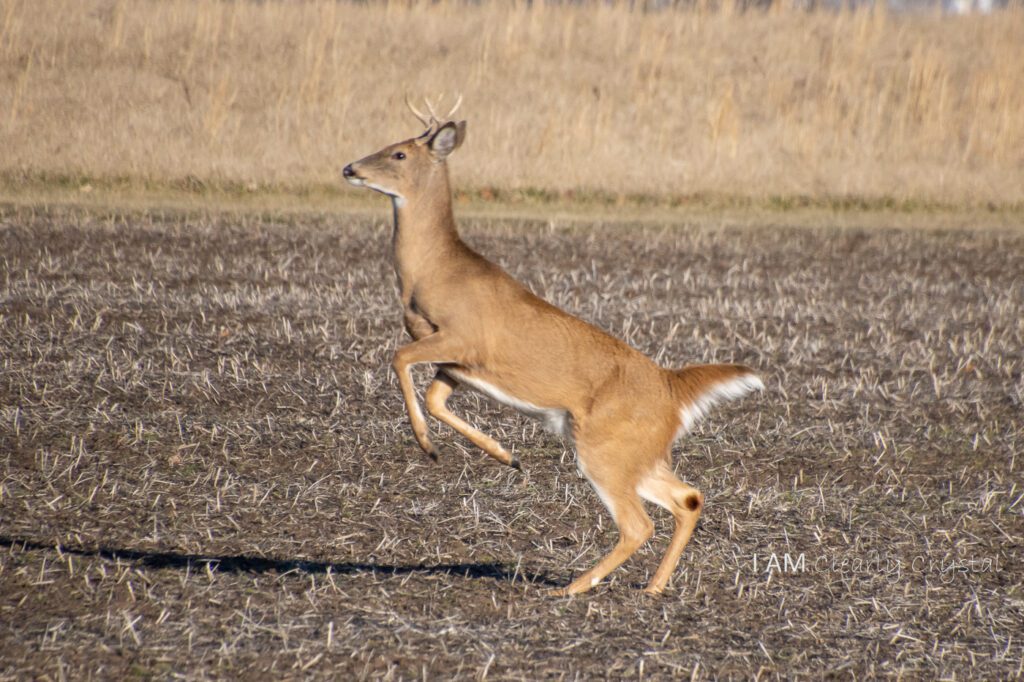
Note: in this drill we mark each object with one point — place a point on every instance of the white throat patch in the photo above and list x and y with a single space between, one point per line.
360 182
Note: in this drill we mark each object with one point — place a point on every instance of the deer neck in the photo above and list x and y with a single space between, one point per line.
424 229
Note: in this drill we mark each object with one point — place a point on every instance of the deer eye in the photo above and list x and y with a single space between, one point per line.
398 156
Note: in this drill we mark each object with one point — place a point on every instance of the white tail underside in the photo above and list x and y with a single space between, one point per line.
731 389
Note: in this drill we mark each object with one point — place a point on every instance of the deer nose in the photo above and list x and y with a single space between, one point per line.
347 171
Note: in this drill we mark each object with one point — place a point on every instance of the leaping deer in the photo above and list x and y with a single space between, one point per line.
483 329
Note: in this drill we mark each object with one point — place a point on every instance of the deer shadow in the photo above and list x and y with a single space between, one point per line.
240 563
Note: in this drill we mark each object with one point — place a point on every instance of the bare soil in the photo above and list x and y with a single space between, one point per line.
207 472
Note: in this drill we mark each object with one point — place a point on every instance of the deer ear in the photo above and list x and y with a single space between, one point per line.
447 139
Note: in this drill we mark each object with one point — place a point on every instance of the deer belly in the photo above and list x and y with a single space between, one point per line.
556 420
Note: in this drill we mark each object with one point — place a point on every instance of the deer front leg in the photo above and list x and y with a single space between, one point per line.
436 348
436 398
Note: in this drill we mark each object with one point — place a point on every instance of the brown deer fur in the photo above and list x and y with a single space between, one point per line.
483 329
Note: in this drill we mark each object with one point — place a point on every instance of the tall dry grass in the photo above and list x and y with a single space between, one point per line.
596 97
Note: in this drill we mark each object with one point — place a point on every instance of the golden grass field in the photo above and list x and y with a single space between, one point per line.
576 101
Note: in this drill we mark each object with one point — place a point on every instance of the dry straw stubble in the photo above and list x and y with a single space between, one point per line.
235 491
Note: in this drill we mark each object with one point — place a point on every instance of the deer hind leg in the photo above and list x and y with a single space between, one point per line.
436 401
685 503
436 348
635 527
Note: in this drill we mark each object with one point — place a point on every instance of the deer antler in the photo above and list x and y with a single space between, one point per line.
448 116
430 108
418 114
458 103
433 121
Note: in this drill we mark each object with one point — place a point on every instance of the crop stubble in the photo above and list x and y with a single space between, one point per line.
207 469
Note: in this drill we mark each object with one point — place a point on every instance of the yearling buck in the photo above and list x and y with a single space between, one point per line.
483 329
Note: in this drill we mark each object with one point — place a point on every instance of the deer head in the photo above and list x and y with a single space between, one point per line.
400 170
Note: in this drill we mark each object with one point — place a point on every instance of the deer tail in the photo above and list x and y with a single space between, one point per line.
701 387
